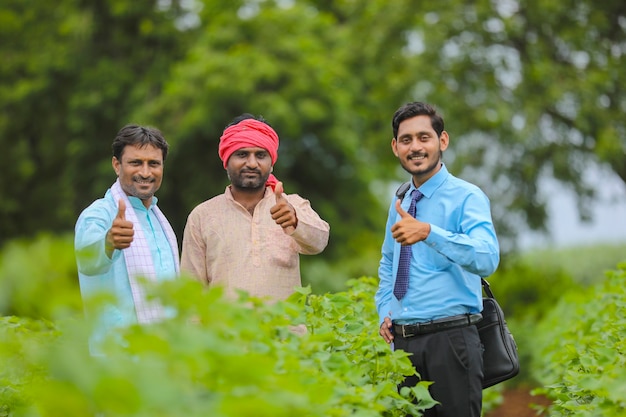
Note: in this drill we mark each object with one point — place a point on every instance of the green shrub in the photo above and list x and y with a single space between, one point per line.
528 290
219 358
38 278
50 363
584 263
19 338
581 351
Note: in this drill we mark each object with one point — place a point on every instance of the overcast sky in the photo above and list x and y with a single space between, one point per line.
609 215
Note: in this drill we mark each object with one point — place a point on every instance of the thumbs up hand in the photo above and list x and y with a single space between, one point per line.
278 192
403 214
121 233
282 212
408 230
121 210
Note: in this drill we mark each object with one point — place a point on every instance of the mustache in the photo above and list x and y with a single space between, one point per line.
140 178
251 171
417 154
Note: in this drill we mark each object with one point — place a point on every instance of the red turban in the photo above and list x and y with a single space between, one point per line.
249 133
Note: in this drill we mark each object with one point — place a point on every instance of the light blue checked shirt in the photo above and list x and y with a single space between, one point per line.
98 274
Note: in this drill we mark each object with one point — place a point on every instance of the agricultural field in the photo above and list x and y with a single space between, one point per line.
567 319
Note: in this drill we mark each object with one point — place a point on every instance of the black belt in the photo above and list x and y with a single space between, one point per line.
410 330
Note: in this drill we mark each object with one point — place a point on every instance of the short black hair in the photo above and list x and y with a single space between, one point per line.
417 108
138 135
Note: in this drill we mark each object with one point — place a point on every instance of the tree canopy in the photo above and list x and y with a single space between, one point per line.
528 89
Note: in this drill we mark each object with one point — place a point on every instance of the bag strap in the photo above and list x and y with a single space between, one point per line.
401 191
486 287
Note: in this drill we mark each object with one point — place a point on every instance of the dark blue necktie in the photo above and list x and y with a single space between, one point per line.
404 265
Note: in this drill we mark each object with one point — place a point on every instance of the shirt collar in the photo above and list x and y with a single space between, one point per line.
229 194
434 182
137 203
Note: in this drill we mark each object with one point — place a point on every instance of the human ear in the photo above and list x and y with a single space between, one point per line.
444 140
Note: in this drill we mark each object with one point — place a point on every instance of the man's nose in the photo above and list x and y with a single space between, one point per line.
252 161
145 170
416 145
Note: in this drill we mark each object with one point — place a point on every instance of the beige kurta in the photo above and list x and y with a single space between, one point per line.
224 245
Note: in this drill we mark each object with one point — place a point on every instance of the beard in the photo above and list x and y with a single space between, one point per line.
248 180
135 188
428 166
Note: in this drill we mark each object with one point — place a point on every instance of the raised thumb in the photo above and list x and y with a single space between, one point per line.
400 210
278 191
121 210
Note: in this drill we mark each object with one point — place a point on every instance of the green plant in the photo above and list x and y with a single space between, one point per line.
582 352
219 357
19 339
38 278
527 290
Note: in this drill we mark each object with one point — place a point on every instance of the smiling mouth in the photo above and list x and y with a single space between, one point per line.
416 157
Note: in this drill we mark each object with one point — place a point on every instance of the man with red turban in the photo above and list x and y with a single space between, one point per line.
250 238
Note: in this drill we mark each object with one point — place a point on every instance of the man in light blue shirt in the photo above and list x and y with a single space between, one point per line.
123 238
451 244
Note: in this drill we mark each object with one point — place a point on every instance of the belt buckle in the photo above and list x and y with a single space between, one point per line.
415 332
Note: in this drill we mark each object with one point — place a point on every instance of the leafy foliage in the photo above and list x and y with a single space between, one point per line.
527 292
38 278
530 285
581 351
530 290
73 72
528 89
19 338
341 343
317 87
586 264
217 357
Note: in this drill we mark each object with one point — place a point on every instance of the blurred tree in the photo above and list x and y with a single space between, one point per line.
72 72
315 74
36 40
529 90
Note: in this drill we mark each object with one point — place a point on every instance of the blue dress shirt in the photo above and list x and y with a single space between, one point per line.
462 247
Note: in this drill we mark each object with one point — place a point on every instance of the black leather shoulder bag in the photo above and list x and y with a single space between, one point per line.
500 361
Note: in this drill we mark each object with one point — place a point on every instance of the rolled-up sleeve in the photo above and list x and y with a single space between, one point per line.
312 233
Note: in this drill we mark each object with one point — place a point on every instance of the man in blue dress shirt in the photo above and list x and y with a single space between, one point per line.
429 299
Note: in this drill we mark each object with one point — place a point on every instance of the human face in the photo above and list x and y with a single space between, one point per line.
419 148
249 168
140 171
